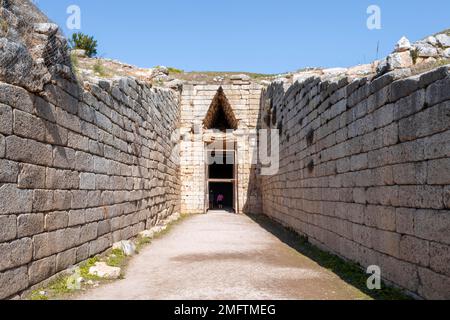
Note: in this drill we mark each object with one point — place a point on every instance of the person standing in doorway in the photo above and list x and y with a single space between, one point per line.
220 199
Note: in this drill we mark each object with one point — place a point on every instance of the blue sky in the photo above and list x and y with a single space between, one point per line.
248 35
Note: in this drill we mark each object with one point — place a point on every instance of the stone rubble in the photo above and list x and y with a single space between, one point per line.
102 270
126 246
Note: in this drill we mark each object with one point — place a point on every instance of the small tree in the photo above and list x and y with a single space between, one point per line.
84 42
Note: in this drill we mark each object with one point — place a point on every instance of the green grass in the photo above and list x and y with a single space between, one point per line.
447 32
350 272
414 55
116 258
100 70
58 288
4 26
175 70
141 242
85 266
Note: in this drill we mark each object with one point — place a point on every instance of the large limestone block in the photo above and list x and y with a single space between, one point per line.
30 224
399 60
14 200
13 281
444 40
102 270
403 45
16 253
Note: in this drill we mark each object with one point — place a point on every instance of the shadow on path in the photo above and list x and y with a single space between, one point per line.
349 272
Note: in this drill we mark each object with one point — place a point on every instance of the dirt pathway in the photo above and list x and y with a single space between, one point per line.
223 256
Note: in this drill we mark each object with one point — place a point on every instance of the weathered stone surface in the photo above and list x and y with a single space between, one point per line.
447 53
8 228
28 126
56 220
430 121
2 146
435 229
438 92
30 224
440 258
403 88
6 119
102 270
439 172
42 269
66 259
433 286
29 151
31 177
63 158
403 45
46 28
62 179
425 50
99 245
9 171
88 232
415 250
13 281
47 244
126 246
399 60
18 67
19 201
76 217
444 40
15 254
87 181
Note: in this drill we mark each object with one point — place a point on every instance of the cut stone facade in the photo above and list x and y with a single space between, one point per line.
365 172
81 168
243 97
364 163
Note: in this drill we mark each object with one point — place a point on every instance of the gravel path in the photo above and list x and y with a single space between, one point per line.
223 256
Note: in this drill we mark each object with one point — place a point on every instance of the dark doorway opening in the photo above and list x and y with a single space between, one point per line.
220 115
225 188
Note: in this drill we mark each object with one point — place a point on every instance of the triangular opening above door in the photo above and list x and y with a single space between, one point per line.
220 115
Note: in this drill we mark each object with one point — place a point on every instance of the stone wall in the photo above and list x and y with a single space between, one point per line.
244 98
80 168
365 172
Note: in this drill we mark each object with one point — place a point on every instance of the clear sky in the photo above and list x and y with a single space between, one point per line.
264 36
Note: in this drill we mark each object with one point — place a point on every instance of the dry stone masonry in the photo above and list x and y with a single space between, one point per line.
81 165
364 156
365 172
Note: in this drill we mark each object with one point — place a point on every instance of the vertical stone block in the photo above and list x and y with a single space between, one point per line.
9 171
2 146
440 258
415 250
6 119
42 269
28 126
18 201
30 224
439 172
56 220
8 228
433 286
31 177
15 254
13 281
